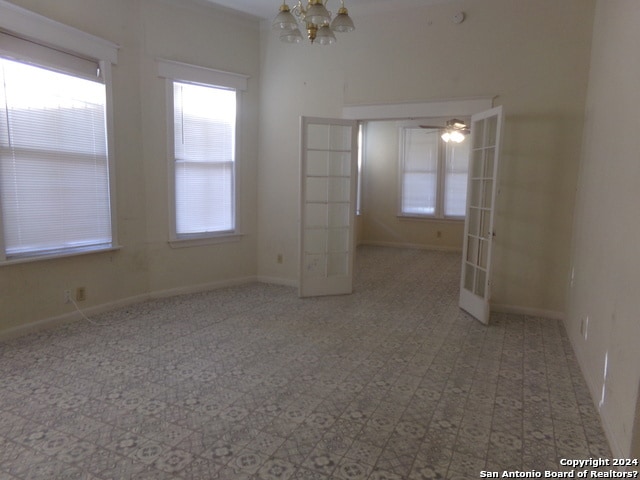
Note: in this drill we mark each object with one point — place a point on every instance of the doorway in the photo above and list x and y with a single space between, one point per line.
382 179
427 179
442 234
322 250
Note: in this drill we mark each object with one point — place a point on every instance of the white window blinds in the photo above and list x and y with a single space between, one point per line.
433 181
420 171
204 149
54 172
455 178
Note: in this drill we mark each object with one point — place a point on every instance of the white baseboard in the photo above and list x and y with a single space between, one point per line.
285 282
74 315
70 317
531 312
595 387
614 445
38 325
203 287
97 309
415 246
616 450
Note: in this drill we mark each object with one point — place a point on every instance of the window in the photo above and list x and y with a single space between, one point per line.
455 178
55 195
360 162
433 179
203 146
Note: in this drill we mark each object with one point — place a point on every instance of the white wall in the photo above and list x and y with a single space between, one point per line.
222 41
606 241
533 54
146 29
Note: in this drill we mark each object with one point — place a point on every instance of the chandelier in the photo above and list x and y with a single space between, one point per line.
315 19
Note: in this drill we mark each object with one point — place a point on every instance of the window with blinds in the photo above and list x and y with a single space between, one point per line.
456 171
204 165
433 174
54 166
420 171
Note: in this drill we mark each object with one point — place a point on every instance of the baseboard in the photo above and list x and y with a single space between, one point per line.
203 287
65 318
497 307
531 312
415 246
38 326
616 450
73 316
595 389
285 282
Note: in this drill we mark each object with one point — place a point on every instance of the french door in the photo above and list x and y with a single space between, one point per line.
475 283
328 172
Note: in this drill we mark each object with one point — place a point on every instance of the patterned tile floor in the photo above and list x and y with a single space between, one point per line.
392 382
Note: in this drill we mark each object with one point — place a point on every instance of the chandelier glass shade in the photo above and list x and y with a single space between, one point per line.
315 19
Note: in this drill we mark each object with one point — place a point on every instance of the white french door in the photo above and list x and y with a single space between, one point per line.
475 284
328 172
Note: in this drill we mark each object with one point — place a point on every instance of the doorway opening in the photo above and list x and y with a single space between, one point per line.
412 186
330 172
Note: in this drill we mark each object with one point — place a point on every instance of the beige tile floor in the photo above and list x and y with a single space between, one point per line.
250 382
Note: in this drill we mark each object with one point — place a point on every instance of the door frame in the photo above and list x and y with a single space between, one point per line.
466 106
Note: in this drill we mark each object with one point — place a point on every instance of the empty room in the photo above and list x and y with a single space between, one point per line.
370 239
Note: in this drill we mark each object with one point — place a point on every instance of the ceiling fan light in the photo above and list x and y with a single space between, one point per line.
325 36
457 124
291 36
342 22
446 136
456 136
284 20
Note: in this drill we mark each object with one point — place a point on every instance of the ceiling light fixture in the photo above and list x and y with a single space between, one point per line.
316 20
455 131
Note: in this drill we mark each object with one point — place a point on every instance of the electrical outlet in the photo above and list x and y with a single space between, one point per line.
81 294
67 296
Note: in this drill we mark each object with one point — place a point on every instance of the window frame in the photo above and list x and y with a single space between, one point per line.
440 182
173 72
57 37
362 132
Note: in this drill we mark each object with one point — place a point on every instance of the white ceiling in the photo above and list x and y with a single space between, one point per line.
269 8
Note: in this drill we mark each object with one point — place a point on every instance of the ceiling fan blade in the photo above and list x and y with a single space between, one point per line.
437 127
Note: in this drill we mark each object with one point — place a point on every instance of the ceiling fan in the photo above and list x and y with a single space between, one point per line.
455 130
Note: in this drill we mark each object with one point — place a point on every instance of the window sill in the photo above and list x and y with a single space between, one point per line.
202 241
431 218
53 256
